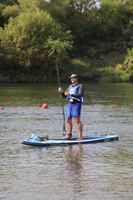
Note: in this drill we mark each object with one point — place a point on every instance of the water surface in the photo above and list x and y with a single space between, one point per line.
93 171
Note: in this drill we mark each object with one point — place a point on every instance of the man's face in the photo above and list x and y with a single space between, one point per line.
74 80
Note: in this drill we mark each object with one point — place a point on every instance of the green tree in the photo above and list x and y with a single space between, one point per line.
9 2
76 16
2 20
33 4
129 2
110 19
11 11
33 38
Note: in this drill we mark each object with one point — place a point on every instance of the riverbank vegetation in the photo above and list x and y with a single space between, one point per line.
88 37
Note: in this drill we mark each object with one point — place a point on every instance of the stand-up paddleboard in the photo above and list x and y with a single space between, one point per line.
39 142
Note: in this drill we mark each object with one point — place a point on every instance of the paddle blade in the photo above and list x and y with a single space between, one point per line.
64 130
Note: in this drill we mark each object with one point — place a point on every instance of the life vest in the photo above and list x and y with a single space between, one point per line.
74 90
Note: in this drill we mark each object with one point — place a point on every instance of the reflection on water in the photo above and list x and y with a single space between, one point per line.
74 168
93 171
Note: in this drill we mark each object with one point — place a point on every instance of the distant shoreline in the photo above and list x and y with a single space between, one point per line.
5 80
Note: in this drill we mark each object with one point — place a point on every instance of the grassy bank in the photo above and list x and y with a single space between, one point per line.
111 67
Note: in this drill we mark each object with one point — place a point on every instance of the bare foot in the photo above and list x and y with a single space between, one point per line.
69 136
79 139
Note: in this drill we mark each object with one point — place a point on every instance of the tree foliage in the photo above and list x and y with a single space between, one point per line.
11 11
9 2
2 21
41 31
31 38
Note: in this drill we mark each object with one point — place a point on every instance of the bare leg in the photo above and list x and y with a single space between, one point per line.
69 128
69 124
79 126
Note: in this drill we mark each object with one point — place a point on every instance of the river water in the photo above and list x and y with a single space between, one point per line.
86 172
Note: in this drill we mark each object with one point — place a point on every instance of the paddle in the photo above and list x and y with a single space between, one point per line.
64 129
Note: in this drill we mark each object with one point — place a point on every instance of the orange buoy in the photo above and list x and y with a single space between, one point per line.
25 107
37 107
91 106
101 106
113 105
2 108
58 106
13 107
45 105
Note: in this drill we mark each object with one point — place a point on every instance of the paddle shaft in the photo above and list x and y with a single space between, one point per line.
64 129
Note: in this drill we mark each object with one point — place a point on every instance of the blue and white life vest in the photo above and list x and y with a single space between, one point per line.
74 90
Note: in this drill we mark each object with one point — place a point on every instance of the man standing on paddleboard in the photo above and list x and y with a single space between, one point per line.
75 95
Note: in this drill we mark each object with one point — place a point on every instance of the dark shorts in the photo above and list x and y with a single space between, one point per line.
73 109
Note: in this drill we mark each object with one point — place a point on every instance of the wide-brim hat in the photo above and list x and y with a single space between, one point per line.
74 76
